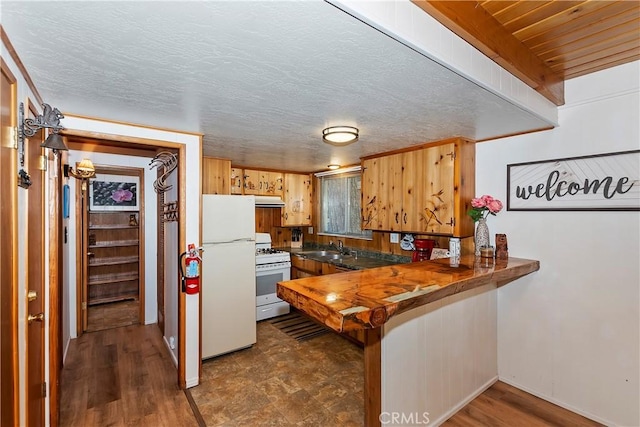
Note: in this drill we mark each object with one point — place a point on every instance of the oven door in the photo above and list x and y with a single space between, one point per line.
266 282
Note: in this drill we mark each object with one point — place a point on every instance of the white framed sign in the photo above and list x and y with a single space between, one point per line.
114 193
601 182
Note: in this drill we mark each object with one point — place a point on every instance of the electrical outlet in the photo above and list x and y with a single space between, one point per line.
310 230
394 237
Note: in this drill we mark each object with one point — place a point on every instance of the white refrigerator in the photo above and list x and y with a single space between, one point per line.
228 289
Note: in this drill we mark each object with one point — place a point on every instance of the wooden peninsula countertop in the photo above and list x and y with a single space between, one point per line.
366 299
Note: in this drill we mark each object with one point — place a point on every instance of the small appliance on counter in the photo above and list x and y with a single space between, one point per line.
296 238
423 249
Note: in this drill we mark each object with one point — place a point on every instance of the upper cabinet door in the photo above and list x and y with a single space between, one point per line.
262 183
273 182
382 193
215 176
236 180
432 207
298 194
252 182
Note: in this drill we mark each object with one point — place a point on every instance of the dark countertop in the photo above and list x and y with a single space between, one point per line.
363 261
364 299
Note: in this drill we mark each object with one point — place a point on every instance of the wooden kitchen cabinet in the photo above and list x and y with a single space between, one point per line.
236 180
216 176
114 256
425 190
298 194
262 183
304 267
382 192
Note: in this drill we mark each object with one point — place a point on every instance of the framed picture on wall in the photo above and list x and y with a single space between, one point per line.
114 193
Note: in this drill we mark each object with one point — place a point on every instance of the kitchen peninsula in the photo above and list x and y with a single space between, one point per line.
407 342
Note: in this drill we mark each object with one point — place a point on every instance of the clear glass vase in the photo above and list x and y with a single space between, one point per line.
482 235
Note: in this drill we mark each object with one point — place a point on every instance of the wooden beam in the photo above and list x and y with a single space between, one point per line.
469 20
372 377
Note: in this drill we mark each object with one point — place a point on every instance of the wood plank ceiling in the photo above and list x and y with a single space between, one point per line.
542 41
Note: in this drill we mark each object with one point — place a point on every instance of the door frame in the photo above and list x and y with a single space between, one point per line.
35 251
127 145
82 227
9 385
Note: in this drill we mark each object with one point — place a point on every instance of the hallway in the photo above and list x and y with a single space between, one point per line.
122 376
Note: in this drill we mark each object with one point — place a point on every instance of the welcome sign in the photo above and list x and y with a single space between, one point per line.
588 183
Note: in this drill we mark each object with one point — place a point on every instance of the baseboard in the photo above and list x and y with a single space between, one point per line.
192 382
557 402
173 356
66 349
464 402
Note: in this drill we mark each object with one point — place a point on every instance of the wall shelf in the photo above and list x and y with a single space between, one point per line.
114 267
112 278
112 227
105 300
114 243
113 261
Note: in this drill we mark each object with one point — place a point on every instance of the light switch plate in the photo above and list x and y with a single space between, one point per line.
310 230
394 237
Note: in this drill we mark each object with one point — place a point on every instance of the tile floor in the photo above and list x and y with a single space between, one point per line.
282 382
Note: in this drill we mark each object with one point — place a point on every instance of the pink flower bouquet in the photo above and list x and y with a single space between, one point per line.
481 207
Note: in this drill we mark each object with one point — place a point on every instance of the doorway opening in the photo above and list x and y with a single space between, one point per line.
113 248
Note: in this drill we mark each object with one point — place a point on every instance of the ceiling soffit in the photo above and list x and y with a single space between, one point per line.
546 42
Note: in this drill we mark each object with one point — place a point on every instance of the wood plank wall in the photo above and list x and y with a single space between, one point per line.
268 221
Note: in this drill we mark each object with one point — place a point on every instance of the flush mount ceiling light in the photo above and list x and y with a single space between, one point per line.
340 135
333 167
49 119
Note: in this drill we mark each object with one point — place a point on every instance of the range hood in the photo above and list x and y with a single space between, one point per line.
269 202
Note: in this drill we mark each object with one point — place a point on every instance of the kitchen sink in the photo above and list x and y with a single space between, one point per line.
326 256
320 253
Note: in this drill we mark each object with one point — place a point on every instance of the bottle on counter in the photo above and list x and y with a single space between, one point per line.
454 247
454 251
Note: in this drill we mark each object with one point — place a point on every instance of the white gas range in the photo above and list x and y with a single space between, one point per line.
272 266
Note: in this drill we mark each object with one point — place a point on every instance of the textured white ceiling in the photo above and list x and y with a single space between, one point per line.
260 80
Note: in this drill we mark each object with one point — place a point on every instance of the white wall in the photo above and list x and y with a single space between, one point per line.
150 235
570 333
438 357
171 248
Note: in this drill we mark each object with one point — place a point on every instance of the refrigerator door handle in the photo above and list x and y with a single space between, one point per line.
228 241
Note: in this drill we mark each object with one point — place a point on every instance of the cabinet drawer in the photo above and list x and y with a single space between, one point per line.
308 265
301 274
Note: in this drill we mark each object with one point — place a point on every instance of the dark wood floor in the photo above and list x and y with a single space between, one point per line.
113 315
121 377
124 377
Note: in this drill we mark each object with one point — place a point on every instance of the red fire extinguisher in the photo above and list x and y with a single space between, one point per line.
190 278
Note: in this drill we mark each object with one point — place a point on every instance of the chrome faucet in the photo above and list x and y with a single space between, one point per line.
340 248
